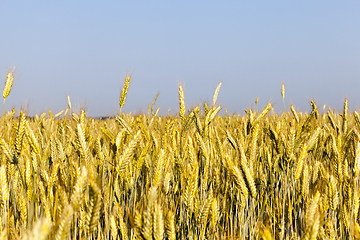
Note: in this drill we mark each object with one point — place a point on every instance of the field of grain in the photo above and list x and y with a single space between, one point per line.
196 175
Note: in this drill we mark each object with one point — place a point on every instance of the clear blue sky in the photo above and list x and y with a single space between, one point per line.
85 48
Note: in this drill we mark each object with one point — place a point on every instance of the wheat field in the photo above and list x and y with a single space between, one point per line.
195 175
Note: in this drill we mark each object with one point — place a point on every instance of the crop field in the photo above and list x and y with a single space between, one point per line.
194 175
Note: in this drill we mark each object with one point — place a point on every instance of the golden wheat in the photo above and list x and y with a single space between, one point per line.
198 176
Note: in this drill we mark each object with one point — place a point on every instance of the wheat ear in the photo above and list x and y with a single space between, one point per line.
69 102
216 93
170 225
344 116
124 92
158 223
250 183
76 197
63 230
294 113
283 94
4 184
8 85
182 102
